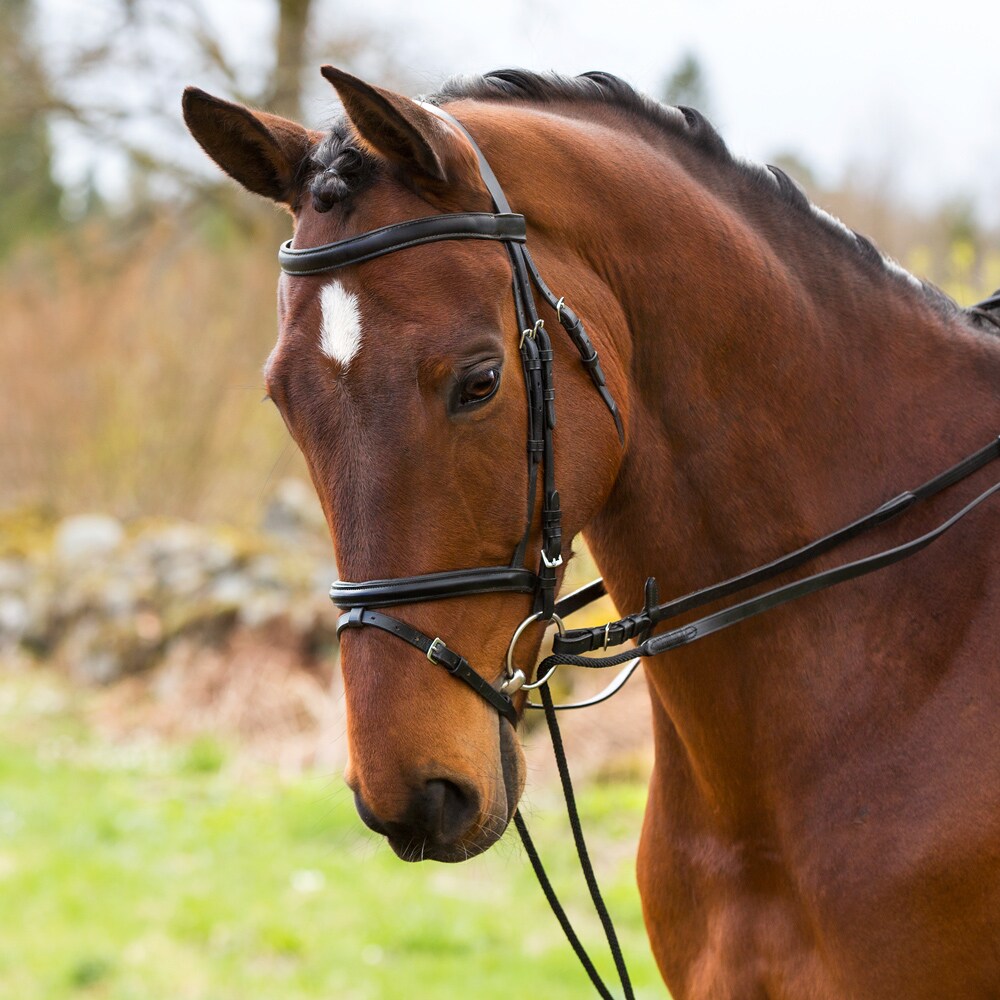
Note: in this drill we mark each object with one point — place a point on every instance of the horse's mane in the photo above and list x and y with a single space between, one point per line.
331 183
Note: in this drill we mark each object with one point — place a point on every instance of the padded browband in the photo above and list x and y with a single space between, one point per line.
505 226
432 587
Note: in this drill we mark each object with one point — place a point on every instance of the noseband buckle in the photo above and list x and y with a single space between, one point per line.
437 643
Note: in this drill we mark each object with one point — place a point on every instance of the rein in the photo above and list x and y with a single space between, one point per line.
360 601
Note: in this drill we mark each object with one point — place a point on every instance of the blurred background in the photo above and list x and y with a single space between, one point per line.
172 820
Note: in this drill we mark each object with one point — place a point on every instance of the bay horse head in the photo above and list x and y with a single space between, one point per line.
402 378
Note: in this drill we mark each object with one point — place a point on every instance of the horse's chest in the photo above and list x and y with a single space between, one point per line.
718 934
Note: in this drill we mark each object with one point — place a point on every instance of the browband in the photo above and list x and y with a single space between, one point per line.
506 226
432 586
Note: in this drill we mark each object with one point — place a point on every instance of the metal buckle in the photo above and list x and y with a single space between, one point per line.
552 563
433 648
607 633
530 334
559 305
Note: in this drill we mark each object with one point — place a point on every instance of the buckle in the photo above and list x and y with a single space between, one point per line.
530 332
551 563
432 649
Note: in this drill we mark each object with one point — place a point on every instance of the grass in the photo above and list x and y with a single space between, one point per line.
173 872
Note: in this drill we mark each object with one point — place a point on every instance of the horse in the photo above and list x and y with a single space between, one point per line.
823 817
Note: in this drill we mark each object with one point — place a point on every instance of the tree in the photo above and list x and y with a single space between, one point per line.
686 85
29 197
114 83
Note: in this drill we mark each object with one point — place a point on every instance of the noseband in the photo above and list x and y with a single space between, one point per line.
359 601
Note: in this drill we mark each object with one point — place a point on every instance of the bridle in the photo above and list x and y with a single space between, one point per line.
360 602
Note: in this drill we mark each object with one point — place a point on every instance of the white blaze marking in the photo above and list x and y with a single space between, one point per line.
340 334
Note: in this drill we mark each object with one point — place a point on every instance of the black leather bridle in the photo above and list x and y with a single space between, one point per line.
360 601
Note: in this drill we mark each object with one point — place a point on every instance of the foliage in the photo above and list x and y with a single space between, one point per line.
688 86
29 197
142 871
138 358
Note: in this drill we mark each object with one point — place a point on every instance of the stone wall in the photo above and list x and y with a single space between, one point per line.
103 600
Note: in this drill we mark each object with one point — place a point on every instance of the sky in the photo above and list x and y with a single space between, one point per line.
910 91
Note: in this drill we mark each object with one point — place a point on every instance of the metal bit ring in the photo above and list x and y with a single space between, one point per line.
512 671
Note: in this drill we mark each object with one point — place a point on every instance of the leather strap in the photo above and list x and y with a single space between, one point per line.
993 302
485 170
506 227
576 641
820 581
573 326
580 598
435 651
432 587
569 320
686 634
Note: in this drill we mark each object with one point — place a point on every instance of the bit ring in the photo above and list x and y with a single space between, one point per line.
511 670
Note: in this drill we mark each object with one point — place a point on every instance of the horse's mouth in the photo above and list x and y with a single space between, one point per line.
413 851
490 828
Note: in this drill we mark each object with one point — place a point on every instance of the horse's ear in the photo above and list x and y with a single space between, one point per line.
261 151
400 130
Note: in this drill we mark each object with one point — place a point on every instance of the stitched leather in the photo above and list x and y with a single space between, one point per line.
432 587
453 662
399 236
576 641
536 356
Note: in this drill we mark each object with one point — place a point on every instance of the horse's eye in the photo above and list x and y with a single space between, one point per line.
478 386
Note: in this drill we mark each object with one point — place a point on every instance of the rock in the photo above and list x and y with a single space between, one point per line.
183 576
230 589
261 608
14 619
292 511
104 603
87 536
14 574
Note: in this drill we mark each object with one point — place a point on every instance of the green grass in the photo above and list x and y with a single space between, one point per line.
161 873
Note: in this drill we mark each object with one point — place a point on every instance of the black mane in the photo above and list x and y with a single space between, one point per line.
338 169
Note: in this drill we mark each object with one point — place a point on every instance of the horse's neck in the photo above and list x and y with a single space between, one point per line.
773 397
773 394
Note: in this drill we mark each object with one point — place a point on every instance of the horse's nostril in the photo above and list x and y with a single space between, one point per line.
449 810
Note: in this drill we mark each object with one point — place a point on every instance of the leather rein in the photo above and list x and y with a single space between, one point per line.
360 602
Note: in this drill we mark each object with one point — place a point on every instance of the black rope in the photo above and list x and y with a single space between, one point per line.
557 909
581 844
585 866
